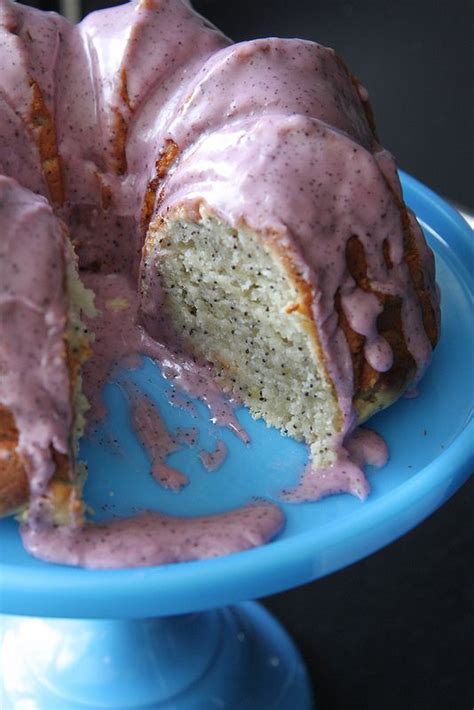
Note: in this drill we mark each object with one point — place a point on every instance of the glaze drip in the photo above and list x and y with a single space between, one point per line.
346 474
155 439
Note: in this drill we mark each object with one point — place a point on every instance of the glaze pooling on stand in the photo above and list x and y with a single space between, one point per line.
212 460
153 539
346 475
155 439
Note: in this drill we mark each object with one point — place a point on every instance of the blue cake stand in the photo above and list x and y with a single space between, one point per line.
167 637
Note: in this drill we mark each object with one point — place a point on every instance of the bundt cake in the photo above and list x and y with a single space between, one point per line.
239 192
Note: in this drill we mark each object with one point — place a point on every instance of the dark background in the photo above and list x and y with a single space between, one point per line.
393 631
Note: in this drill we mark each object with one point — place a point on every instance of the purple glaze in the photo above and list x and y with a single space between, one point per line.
155 439
153 538
176 399
346 474
187 436
411 393
270 77
28 52
361 309
34 381
212 460
139 59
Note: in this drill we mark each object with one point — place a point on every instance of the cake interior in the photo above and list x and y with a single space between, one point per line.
232 302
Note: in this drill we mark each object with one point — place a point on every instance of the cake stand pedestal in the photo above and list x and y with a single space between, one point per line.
165 637
236 657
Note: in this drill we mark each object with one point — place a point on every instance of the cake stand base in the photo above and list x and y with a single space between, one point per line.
237 658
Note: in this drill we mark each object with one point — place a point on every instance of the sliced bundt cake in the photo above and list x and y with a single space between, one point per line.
239 188
283 252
